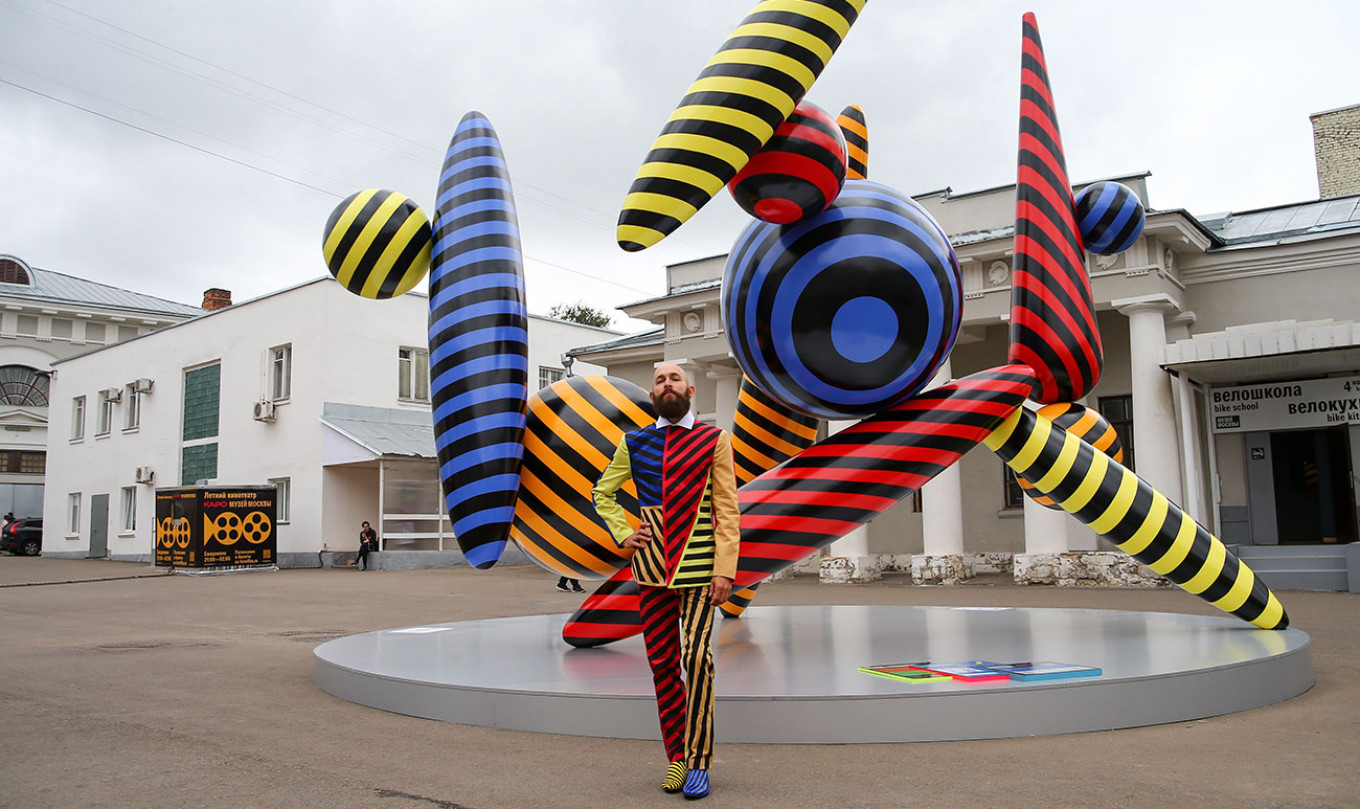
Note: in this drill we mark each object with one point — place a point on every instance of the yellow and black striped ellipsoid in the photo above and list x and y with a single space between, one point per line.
746 91
1141 521
856 132
1084 423
377 244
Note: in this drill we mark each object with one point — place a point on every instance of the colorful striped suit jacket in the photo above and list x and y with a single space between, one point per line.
687 488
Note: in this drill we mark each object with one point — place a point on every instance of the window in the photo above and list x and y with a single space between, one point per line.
197 462
94 332
105 414
21 385
129 508
413 374
547 376
1015 496
280 373
24 462
78 418
73 513
202 400
1118 411
283 497
132 410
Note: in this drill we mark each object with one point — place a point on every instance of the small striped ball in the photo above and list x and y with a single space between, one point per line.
377 244
847 312
1110 217
1084 423
797 173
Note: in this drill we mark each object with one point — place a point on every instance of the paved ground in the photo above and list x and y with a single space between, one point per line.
128 688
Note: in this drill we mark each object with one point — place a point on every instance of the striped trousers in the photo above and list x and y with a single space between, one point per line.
676 626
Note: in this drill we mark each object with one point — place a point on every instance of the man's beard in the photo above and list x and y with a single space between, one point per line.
671 406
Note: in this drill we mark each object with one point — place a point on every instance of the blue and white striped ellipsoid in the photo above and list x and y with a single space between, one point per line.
478 341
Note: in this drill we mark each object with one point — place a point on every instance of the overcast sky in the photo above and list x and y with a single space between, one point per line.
168 146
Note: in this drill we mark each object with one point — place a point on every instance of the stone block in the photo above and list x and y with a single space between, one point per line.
1085 569
945 569
850 569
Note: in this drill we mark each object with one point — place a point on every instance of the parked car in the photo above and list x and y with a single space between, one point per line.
22 537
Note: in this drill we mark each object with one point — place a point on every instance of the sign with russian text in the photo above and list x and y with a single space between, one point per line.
1286 405
210 527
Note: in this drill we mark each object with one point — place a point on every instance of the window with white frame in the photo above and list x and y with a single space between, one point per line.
105 423
280 373
73 513
413 374
78 418
283 499
548 375
129 522
132 407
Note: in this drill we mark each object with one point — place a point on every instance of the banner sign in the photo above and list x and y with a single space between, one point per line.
230 526
1286 405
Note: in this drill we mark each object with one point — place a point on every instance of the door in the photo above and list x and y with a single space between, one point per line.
99 526
1314 500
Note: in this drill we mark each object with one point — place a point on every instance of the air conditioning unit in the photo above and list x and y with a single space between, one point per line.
143 385
146 474
113 394
264 411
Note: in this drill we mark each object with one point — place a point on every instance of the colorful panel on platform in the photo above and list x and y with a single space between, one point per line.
574 425
745 92
796 174
1053 324
856 132
1110 217
478 341
1141 521
377 244
1086 424
847 312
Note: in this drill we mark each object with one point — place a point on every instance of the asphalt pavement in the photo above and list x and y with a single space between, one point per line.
127 687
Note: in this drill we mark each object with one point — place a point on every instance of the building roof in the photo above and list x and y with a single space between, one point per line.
1323 217
55 287
642 338
383 430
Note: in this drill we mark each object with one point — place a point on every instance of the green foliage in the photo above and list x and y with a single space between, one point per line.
580 313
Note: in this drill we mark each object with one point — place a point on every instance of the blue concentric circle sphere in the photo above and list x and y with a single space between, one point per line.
847 312
1110 217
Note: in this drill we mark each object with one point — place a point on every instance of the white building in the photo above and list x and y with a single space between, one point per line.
1202 314
44 317
313 389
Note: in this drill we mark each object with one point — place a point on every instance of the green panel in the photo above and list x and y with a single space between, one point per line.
197 463
202 398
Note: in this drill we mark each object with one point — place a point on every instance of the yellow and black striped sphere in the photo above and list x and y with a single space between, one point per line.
377 244
1084 423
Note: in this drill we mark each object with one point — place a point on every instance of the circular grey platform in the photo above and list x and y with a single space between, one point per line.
791 674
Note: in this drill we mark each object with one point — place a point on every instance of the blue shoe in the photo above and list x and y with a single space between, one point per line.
696 785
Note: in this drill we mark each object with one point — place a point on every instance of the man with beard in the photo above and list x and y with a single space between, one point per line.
684 562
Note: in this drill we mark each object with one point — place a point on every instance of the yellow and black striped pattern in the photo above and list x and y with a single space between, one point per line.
1140 520
765 433
1084 423
746 91
377 244
856 131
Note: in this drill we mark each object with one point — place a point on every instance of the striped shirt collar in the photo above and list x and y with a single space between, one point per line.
687 422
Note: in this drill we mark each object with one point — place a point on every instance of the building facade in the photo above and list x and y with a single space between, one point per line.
312 389
1201 316
46 316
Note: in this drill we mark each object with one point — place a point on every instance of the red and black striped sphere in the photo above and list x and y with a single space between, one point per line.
798 173
1084 423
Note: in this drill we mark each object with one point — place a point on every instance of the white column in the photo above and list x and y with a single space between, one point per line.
1154 416
726 387
1045 528
942 500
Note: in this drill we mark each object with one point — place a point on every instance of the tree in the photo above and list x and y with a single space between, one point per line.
580 313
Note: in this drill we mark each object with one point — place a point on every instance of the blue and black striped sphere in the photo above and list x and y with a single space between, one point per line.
848 312
1110 217
377 244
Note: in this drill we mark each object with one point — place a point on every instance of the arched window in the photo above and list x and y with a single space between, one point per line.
14 272
21 385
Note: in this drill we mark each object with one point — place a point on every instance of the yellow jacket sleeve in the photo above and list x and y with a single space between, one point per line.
618 472
726 512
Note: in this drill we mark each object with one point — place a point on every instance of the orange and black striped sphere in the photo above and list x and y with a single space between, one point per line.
572 430
1084 423
377 244
798 173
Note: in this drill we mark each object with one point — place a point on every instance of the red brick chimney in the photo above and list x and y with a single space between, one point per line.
214 299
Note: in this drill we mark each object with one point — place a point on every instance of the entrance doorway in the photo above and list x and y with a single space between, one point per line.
99 527
1314 498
